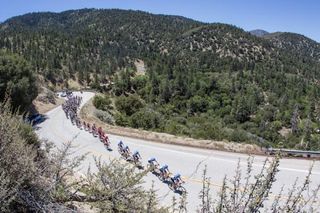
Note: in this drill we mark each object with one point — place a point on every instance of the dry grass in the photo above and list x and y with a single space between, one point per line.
284 131
141 70
42 105
74 84
87 114
42 108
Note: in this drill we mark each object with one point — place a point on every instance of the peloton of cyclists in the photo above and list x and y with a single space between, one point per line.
71 106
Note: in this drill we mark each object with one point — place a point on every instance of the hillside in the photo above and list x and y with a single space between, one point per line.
210 81
83 39
298 44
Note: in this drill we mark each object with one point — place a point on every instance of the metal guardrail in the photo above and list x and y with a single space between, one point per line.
293 152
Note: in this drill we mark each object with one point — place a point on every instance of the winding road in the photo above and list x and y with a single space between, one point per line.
187 161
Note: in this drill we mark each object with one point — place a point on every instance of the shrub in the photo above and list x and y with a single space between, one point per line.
51 96
47 96
16 159
104 116
121 120
129 105
208 130
173 127
139 82
238 135
17 75
145 118
197 104
248 191
102 102
28 135
40 180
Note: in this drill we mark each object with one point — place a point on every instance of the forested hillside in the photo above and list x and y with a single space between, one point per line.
212 81
298 44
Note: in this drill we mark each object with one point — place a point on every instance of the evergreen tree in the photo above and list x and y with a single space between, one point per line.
18 78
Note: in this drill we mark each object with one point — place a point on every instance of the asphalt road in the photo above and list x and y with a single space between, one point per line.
187 161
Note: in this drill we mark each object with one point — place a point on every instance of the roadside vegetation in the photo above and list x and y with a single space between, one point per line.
252 192
37 177
18 78
211 106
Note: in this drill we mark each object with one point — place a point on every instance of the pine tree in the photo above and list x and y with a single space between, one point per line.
294 119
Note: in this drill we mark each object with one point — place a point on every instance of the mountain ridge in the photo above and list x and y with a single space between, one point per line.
259 32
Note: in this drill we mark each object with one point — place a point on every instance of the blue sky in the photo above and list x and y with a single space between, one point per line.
300 16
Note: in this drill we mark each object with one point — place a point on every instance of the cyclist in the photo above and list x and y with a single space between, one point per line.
121 146
102 136
94 128
176 180
164 171
78 122
100 130
106 139
153 162
126 150
136 156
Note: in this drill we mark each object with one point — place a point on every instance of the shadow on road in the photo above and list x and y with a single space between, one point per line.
109 149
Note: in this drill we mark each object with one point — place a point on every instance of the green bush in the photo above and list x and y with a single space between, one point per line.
102 102
241 109
139 82
129 105
238 135
197 104
29 135
175 128
17 75
145 118
276 125
121 120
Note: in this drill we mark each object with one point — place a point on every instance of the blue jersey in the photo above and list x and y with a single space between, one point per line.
151 160
165 167
136 154
176 177
120 144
